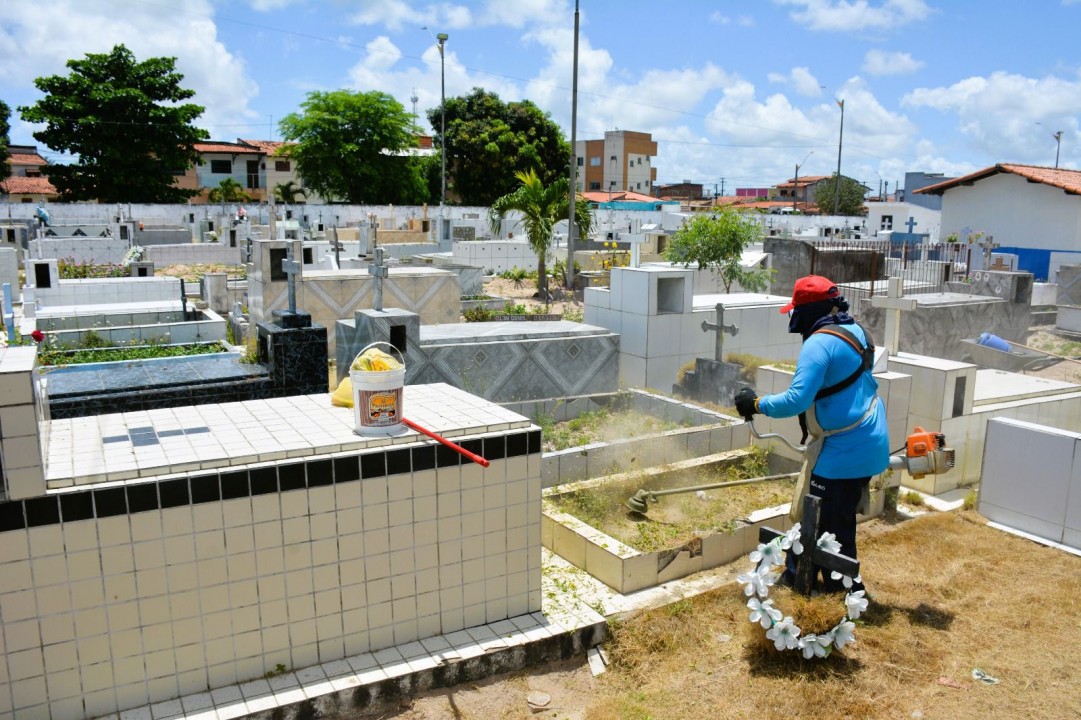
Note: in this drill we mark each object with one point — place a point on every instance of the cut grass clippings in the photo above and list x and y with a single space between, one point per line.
949 595
599 426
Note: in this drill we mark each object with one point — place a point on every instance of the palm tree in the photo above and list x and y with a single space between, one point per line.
228 191
287 192
541 208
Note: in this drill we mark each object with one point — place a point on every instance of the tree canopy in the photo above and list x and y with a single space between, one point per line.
125 121
489 142
351 147
717 242
228 191
541 207
851 201
5 140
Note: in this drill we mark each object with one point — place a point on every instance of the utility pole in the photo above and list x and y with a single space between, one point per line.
722 187
795 180
840 140
573 184
1058 145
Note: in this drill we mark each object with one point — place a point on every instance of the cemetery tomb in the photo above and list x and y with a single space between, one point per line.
165 552
124 326
599 524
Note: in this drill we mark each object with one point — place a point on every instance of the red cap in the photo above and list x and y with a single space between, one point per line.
811 289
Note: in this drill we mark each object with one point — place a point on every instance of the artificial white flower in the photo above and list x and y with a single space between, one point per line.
767 554
845 580
828 542
758 581
856 604
763 613
790 541
785 634
815 645
843 634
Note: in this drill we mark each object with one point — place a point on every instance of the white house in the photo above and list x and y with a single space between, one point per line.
1031 211
895 216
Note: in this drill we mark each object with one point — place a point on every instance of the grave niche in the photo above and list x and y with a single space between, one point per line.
669 295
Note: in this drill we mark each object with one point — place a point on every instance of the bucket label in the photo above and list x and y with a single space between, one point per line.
383 406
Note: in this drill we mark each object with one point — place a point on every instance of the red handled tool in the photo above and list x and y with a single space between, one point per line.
453 446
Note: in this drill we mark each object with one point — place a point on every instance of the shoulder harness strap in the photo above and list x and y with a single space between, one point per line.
867 353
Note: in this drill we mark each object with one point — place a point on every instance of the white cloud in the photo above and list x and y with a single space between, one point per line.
801 80
269 5
1001 111
718 18
848 15
36 39
880 62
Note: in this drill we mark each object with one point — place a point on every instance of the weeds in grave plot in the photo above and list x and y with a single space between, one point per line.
679 518
600 425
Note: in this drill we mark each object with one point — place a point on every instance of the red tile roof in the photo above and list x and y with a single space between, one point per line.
804 180
1068 180
270 147
26 159
603 196
225 147
27 186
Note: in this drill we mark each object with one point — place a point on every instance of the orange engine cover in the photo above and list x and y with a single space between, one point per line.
922 442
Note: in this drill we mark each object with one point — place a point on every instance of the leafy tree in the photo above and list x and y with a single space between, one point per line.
717 242
5 140
489 142
351 147
227 191
125 122
541 206
288 192
851 201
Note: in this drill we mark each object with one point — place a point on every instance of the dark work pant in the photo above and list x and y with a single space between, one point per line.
837 515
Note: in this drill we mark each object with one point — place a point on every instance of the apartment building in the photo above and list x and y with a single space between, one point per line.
622 161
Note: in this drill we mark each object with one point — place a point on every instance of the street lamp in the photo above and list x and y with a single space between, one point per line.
795 181
1058 145
837 182
442 38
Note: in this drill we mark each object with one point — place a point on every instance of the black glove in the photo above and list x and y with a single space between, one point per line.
746 403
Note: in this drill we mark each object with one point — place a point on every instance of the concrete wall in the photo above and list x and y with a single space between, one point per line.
495 255
192 254
96 250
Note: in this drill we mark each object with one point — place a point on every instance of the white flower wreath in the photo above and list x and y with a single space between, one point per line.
780 628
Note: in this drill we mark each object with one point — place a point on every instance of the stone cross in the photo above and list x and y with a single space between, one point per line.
911 223
721 329
378 271
291 268
812 557
894 304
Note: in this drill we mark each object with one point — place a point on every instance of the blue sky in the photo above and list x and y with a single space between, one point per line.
735 93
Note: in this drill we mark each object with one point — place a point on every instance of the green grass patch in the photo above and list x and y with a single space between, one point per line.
98 353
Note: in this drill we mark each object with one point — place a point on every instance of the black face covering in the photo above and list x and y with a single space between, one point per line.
807 318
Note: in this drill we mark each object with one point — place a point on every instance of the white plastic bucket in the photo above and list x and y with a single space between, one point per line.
377 398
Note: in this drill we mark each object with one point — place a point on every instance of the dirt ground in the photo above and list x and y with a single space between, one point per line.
524 295
949 595
1044 339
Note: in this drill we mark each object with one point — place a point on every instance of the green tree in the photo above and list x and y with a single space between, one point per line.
489 142
125 121
541 207
851 201
228 191
717 242
5 140
352 147
288 192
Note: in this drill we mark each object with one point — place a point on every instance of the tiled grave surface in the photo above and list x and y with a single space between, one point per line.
567 624
248 432
148 374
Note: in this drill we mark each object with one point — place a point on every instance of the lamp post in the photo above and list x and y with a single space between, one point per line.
795 181
442 38
572 196
837 181
1058 145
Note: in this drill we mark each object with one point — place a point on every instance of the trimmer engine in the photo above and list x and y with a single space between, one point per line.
925 454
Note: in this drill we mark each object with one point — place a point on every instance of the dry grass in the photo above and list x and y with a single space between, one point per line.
949 595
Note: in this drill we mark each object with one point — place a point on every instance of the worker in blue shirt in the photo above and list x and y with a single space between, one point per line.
845 417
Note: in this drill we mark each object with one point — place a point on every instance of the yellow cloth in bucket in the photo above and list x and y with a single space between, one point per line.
343 396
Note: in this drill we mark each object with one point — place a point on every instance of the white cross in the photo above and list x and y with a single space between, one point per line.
894 304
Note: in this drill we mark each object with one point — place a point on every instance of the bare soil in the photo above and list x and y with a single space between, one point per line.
1044 339
527 295
949 595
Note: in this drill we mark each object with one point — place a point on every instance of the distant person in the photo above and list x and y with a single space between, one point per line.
43 216
845 418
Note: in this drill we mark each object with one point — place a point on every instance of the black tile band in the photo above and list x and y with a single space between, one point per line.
228 484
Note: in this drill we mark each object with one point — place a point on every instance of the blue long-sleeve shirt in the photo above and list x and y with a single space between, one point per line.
826 360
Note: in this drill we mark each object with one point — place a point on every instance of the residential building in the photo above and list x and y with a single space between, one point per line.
801 190
27 183
685 190
1031 211
622 161
915 181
